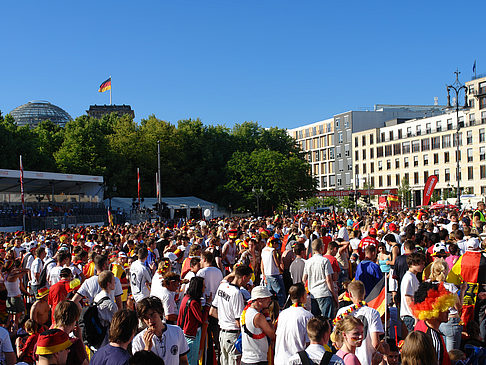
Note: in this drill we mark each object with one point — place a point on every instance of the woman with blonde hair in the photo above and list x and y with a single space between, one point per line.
348 331
452 329
418 349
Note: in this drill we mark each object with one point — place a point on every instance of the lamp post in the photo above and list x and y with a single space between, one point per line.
457 87
258 193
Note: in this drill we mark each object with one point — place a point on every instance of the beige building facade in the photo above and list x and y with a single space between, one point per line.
416 149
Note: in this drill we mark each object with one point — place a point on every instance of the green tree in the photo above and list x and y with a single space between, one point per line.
347 203
405 193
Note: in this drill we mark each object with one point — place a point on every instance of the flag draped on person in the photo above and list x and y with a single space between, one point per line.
110 218
377 297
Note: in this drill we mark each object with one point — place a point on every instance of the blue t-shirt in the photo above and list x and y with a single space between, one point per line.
110 355
369 273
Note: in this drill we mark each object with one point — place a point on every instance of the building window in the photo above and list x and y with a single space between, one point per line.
415 161
356 169
396 149
425 144
446 157
380 165
481 135
472 119
446 141
340 165
371 139
324 155
337 122
435 143
356 142
415 146
426 176
340 137
363 140
380 181
356 155
372 181
419 130
388 150
483 117
438 126
470 171
346 150
391 135
382 137
415 177
364 154
469 155
483 190
406 177
406 147
332 180
388 180
436 173
400 134
447 175
426 160
316 156
388 164
482 171
379 151
449 124
405 162
482 153
397 179
372 154
339 181
436 158
372 167
397 163
409 131
469 139
454 143
458 156
346 121
331 154
338 151
428 128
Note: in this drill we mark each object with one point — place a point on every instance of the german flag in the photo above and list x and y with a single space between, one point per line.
470 268
105 85
376 298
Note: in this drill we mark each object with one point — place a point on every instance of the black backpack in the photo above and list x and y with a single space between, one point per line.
43 274
304 358
90 324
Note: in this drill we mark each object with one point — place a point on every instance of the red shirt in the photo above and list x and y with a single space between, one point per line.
366 241
334 263
57 293
194 318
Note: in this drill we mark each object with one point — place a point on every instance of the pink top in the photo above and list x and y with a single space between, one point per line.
348 358
451 260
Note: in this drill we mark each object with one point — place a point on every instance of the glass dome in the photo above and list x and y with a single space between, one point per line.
37 111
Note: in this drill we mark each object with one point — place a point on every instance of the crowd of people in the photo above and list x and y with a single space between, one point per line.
375 288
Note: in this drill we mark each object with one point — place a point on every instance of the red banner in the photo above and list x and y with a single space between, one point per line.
362 191
429 188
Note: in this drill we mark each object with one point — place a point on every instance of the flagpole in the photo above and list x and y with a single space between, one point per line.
22 192
386 306
111 87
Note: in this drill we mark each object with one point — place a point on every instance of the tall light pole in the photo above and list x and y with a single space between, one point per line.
258 193
159 181
457 87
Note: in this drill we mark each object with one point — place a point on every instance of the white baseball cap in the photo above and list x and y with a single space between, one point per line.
472 244
260 292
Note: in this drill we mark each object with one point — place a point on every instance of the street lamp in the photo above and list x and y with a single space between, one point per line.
457 87
258 193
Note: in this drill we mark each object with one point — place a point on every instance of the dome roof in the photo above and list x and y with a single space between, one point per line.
37 111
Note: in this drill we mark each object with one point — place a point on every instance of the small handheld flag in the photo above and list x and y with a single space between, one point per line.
105 85
474 67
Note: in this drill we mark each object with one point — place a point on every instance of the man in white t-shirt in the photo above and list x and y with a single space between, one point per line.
227 307
271 266
318 272
7 355
36 268
140 276
292 323
165 340
408 287
63 258
90 287
373 328
212 276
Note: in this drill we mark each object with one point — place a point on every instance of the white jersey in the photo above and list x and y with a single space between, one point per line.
291 333
36 268
90 288
167 298
169 346
315 352
229 303
212 278
372 324
139 277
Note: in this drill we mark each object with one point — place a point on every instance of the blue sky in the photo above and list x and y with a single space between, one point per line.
279 63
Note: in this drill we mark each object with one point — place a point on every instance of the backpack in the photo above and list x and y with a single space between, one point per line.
43 275
90 324
304 358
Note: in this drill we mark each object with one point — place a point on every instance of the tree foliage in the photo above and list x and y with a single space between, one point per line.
212 162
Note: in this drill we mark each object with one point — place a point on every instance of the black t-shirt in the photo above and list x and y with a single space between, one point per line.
400 268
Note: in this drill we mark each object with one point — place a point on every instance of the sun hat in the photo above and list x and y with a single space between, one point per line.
52 341
42 292
260 292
